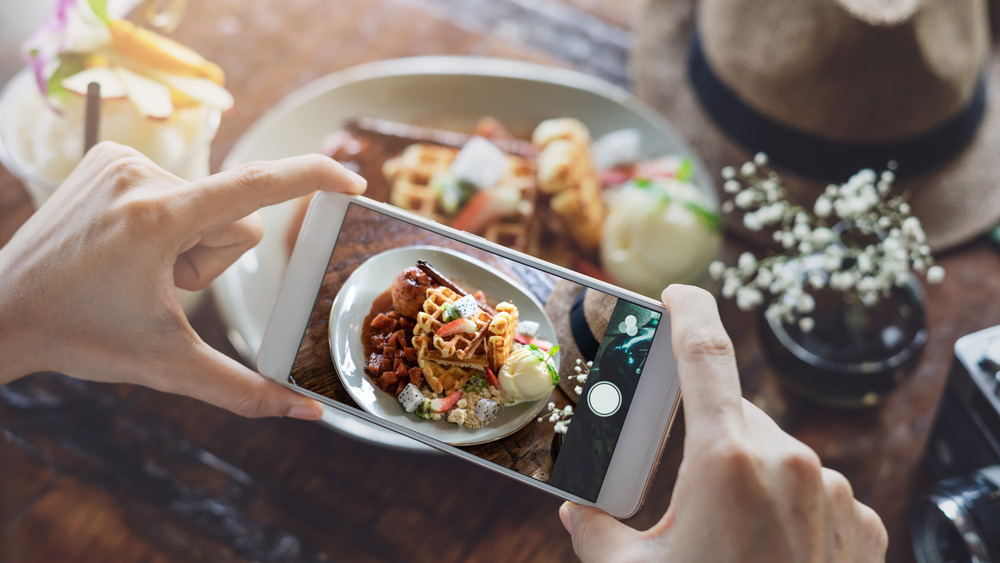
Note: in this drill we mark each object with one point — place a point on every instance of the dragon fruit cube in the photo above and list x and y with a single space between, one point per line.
486 409
466 307
410 397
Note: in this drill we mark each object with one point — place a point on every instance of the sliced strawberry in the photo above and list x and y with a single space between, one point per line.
459 326
487 206
442 405
617 175
521 339
544 345
492 378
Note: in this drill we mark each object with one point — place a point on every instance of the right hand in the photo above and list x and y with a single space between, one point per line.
746 491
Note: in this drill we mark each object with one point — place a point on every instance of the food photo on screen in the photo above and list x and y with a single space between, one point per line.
458 344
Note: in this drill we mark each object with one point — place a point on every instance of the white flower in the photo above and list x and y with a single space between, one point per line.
760 159
806 303
802 231
728 173
748 169
787 239
747 261
753 222
806 324
747 298
744 199
935 274
904 208
764 277
715 269
817 279
864 263
578 390
888 176
731 186
823 207
730 286
821 236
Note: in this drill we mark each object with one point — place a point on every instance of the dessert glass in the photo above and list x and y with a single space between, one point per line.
41 146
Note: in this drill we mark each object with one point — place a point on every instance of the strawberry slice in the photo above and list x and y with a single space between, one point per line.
458 326
486 207
442 405
492 378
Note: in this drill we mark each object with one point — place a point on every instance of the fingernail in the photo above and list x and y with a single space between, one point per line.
360 184
564 515
309 411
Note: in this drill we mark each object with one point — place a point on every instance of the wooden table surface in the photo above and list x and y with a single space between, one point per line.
92 472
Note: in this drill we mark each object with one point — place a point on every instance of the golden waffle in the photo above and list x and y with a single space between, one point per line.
566 173
443 378
456 347
409 176
501 334
410 173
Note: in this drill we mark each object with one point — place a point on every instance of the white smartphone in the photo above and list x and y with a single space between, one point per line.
476 350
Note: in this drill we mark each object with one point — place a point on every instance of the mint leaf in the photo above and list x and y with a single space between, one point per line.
642 182
712 220
100 8
686 169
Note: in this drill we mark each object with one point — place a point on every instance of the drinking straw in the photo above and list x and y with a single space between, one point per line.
92 118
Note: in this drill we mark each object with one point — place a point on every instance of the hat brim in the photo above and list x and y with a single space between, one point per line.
956 201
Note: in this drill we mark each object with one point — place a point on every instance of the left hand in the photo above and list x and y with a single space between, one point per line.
87 283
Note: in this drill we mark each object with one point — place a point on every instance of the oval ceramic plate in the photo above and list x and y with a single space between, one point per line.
354 301
446 91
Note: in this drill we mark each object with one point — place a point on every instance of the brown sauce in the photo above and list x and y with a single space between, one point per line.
387 341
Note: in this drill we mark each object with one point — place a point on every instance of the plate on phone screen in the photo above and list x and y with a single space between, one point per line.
354 301
447 92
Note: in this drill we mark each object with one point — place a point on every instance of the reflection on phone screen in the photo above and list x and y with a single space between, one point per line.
521 368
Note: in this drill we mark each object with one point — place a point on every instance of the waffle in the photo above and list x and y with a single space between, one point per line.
444 378
567 175
410 173
409 176
501 334
456 347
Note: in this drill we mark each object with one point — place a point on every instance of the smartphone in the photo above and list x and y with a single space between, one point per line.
476 350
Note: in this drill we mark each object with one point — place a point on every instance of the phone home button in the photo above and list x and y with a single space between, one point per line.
604 398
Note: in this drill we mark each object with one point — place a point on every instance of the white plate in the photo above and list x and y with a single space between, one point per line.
354 302
447 91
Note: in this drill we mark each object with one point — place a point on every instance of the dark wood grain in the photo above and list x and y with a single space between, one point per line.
92 472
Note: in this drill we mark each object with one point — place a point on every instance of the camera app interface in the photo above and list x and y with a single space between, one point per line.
516 366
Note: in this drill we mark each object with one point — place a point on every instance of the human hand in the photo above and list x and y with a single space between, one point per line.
746 491
87 285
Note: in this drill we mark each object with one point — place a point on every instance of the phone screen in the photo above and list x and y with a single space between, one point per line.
512 364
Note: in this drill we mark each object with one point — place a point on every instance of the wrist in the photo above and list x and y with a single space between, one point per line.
19 355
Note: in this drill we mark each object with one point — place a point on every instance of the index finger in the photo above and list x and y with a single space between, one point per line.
231 195
706 363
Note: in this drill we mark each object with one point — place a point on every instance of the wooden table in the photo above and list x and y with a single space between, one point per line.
117 473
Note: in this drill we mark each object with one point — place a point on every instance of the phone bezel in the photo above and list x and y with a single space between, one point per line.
646 426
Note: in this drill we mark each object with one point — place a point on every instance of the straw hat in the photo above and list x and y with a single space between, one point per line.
827 87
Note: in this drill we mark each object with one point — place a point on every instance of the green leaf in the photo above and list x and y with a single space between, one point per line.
100 8
711 219
642 182
68 66
686 169
475 383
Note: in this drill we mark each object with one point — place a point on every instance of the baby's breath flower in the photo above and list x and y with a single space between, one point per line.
935 274
862 209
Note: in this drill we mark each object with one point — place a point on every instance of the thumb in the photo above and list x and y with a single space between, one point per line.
597 536
217 379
